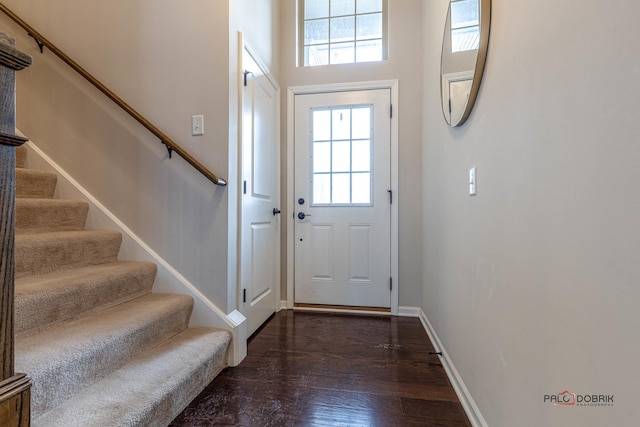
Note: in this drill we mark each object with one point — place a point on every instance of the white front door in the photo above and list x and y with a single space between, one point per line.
342 198
260 194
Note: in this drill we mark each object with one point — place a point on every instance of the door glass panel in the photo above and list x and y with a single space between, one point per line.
322 189
361 188
341 189
321 157
361 123
341 156
341 124
361 161
322 125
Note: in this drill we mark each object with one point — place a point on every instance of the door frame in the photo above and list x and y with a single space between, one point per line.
392 85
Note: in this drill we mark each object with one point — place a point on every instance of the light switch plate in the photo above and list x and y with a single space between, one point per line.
472 181
197 125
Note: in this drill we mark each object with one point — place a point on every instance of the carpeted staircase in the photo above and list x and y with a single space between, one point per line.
100 347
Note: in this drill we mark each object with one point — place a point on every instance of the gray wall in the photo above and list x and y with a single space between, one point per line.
532 285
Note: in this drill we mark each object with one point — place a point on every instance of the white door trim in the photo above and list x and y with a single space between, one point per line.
342 87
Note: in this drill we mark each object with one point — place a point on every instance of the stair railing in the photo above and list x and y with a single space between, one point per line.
15 389
164 139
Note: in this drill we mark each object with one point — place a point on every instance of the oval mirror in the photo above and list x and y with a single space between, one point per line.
464 51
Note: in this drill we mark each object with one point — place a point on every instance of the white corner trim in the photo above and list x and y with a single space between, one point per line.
468 404
405 311
283 305
213 317
238 350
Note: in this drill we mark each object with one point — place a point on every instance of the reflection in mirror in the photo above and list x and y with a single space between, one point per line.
465 25
464 49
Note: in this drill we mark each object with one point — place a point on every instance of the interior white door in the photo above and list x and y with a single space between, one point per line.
260 198
342 198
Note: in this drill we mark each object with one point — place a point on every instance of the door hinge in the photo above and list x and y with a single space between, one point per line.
244 295
390 283
390 196
246 73
391 110
244 187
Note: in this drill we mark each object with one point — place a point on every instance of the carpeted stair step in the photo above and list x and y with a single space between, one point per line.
35 183
44 215
43 253
47 300
21 156
152 389
64 360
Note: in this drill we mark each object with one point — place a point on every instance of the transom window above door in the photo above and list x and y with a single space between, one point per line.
342 31
341 156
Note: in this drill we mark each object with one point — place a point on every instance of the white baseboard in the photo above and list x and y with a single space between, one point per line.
402 310
468 404
168 279
405 311
342 310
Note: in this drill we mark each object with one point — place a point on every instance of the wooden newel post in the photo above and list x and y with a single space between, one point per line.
14 388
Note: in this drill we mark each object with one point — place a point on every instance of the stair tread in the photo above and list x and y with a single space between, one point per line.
50 299
142 392
35 183
42 253
57 279
38 215
66 358
62 235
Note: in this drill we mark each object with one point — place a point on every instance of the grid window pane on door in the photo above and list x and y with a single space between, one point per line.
341 163
342 31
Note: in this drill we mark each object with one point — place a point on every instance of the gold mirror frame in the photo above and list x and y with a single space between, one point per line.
450 72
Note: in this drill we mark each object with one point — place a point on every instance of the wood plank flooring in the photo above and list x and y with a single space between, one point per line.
326 369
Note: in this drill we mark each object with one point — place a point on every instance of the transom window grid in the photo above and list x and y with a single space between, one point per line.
465 25
342 31
342 156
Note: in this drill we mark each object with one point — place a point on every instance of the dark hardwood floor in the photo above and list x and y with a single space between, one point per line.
317 369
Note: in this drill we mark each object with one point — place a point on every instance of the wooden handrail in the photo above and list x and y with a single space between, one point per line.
168 142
